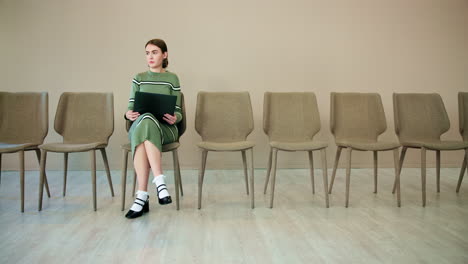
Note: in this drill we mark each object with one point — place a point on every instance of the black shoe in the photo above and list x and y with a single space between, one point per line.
164 200
132 214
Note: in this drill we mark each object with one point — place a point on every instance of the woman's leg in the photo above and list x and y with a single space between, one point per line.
142 166
153 157
140 161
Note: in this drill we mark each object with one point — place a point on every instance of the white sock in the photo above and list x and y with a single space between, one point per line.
161 186
141 198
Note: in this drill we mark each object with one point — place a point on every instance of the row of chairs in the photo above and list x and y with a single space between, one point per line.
225 119
84 120
291 120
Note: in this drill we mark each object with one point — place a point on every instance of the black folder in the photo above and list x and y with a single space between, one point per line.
156 104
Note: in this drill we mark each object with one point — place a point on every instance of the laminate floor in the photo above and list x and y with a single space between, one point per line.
299 229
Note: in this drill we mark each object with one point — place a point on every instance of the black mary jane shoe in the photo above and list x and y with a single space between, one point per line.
164 200
132 214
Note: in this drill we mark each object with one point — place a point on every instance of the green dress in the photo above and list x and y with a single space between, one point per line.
146 126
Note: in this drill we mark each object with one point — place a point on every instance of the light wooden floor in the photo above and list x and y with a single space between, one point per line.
297 230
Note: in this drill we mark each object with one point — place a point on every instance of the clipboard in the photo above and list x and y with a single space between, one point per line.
154 103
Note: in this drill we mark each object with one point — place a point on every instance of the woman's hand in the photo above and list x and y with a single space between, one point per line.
132 116
170 119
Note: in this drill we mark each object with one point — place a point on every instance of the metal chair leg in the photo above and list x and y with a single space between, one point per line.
337 159
106 165
311 165
123 180
93 177
273 177
423 175
325 176
244 162
268 171
201 175
348 174
462 171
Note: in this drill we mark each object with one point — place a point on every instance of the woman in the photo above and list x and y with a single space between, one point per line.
147 134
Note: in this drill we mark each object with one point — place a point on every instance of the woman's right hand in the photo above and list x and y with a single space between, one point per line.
132 116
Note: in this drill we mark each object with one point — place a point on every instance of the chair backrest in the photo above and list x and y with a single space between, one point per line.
181 126
357 116
85 117
290 116
463 114
419 117
24 117
224 116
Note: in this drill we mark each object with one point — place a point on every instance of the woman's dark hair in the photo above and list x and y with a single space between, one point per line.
162 45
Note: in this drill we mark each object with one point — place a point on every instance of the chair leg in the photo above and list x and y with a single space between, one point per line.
462 171
175 158
0 168
93 176
134 183
312 176
65 169
397 175
106 165
252 168
348 174
201 175
180 178
325 175
204 164
400 166
244 162
123 180
337 159
268 171
423 175
42 177
21 161
438 169
38 155
375 170
273 177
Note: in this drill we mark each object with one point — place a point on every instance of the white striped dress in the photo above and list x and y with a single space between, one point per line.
146 126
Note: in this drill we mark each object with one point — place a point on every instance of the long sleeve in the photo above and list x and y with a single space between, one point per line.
163 83
135 88
178 108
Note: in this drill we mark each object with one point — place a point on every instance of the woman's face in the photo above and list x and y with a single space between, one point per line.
154 56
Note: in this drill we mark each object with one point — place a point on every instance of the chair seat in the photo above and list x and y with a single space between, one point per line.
226 146
170 146
126 147
446 145
69 147
165 148
9 148
368 146
436 145
298 146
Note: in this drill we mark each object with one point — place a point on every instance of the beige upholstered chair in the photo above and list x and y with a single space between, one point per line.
357 120
463 115
291 120
420 120
224 120
85 121
172 147
23 127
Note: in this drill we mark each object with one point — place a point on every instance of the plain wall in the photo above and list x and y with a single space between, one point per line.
299 45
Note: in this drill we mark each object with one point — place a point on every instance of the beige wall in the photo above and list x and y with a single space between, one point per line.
298 45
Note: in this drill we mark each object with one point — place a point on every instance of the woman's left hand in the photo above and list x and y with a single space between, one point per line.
171 119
